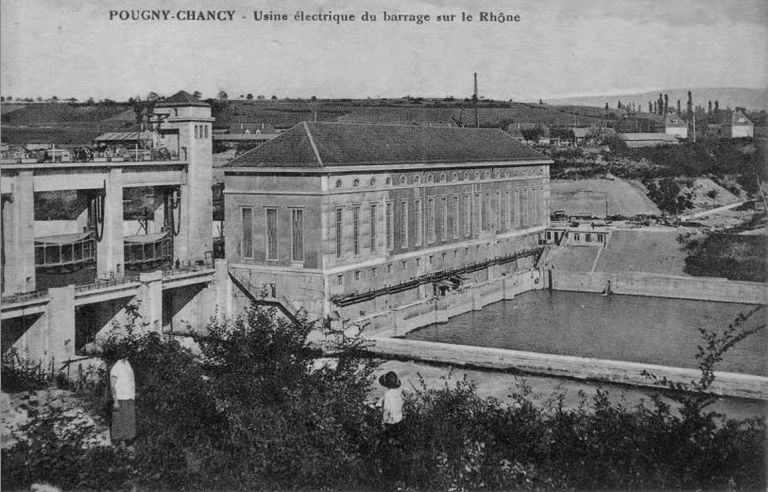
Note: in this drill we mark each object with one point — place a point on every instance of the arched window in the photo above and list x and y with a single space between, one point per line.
466 175
443 178
417 179
477 174
373 182
388 181
430 178
356 183
338 183
455 177
402 179
487 174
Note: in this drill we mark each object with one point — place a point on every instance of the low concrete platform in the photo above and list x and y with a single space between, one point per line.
612 371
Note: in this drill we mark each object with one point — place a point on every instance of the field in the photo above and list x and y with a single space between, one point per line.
589 196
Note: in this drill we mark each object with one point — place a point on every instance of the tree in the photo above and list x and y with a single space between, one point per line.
650 107
197 94
666 103
152 96
249 96
223 95
274 98
679 112
54 99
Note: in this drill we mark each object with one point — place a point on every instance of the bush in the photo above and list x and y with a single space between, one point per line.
22 375
254 410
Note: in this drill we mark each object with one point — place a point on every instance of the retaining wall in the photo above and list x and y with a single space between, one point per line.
726 383
400 320
655 285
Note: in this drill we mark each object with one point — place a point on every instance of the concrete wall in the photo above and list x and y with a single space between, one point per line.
649 284
729 384
403 318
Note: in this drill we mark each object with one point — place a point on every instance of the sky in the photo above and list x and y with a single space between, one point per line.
559 48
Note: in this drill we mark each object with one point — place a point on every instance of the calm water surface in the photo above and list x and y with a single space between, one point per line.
633 328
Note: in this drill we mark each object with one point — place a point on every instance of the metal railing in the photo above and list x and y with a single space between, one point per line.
24 296
189 266
102 284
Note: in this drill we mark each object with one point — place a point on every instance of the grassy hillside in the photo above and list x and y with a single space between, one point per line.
590 196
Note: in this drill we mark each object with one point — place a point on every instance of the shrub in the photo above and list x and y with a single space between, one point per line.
253 410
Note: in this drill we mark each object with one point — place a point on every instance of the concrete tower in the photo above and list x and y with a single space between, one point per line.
186 123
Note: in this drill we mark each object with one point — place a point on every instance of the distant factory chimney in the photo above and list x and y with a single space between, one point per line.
475 98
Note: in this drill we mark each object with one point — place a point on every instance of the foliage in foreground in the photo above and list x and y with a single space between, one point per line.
255 411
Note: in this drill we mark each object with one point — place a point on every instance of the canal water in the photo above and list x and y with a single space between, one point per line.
651 330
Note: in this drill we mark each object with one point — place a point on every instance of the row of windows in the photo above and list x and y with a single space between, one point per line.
498 211
271 236
201 131
442 178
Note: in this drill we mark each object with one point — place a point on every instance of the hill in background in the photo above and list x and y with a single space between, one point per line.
728 96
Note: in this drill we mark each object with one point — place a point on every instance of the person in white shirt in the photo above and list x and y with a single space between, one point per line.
392 401
123 386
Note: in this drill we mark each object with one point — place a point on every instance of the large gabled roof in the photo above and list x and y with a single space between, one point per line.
343 144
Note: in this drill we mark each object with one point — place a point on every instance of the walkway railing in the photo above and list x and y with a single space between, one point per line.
24 296
187 267
102 284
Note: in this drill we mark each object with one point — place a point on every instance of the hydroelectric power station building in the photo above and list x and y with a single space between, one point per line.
385 226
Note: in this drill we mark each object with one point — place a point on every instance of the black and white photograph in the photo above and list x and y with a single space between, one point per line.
369 246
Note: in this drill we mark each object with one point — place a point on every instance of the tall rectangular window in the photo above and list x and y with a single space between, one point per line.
467 214
456 213
390 226
523 207
498 214
271 233
431 234
404 224
247 228
443 218
484 213
356 230
339 231
297 235
373 228
507 211
419 205
477 216
518 208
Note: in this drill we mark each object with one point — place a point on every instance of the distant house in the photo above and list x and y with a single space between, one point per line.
246 132
252 129
732 124
591 135
673 125
514 130
635 140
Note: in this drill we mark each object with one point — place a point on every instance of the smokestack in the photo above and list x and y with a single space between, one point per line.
476 98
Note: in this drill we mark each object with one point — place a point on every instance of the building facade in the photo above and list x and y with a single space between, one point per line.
347 219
